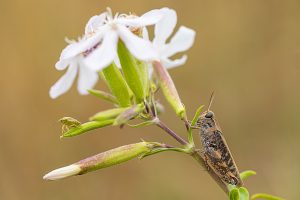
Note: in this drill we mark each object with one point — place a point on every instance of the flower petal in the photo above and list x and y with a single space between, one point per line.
182 41
149 18
165 27
95 22
167 63
79 47
65 82
145 33
62 64
86 80
140 48
105 53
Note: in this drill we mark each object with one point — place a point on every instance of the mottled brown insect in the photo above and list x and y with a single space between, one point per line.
68 123
215 149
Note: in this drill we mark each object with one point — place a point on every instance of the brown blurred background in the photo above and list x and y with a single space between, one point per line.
248 52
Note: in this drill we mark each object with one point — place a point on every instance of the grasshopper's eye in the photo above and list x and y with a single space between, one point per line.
209 114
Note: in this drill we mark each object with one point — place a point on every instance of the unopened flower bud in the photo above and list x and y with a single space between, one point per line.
105 159
169 90
129 114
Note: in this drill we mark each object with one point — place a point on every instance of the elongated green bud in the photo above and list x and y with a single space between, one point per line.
105 159
129 114
169 90
135 73
117 85
82 128
107 114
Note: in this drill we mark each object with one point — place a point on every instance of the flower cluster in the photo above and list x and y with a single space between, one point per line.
98 47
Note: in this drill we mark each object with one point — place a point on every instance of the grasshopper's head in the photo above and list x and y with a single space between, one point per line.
208 114
206 118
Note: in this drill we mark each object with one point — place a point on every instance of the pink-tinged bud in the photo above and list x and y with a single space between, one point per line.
169 90
129 114
105 159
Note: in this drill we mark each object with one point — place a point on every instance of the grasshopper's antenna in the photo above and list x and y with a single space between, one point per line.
211 100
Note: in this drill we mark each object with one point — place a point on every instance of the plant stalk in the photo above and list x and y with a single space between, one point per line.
172 133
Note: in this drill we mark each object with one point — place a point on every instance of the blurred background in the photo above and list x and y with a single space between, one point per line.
248 52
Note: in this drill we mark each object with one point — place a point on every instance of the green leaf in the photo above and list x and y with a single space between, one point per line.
117 85
104 95
193 122
245 174
107 114
244 194
196 116
86 127
135 73
265 196
234 194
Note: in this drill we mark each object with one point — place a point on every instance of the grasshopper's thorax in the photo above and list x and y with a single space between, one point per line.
207 123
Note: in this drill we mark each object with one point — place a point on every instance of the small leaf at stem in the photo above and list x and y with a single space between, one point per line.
87 127
246 174
103 95
196 116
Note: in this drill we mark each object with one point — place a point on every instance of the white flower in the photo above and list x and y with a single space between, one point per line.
98 48
181 41
74 59
120 26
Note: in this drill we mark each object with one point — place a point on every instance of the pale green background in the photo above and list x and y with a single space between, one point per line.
248 52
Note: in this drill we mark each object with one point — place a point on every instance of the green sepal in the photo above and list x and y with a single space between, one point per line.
104 95
117 85
129 114
78 130
134 73
245 174
107 114
265 196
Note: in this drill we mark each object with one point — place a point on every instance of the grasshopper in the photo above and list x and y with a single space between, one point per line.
215 149
68 123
